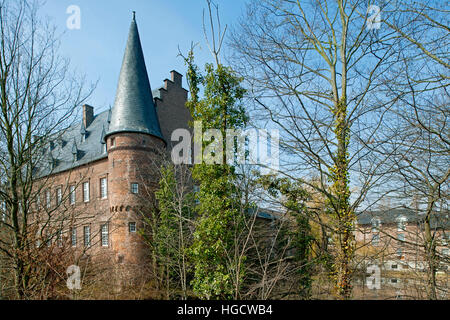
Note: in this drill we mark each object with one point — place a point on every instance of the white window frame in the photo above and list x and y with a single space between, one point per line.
38 202
103 188
134 184
58 195
86 191
72 197
377 241
132 229
87 236
59 238
48 199
73 237
104 232
376 223
401 224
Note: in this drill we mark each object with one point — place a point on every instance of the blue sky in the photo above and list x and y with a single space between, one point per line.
96 49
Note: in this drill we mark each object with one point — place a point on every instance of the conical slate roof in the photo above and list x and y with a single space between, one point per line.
134 109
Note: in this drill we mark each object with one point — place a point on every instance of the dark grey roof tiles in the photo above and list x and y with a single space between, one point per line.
87 150
134 109
102 136
392 216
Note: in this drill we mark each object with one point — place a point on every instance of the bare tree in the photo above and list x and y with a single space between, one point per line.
38 96
420 125
312 69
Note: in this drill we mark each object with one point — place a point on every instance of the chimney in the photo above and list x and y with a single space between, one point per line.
88 115
176 78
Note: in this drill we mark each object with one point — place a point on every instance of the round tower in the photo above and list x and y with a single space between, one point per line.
134 142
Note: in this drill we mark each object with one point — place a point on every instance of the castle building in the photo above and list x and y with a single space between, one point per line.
96 171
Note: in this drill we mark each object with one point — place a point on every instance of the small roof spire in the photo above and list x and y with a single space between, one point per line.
74 147
102 138
109 115
134 15
82 129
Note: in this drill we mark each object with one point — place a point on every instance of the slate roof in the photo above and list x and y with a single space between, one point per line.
265 213
392 216
69 149
134 108
134 111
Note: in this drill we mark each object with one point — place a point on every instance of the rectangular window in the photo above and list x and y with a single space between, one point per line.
401 237
86 191
58 195
103 188
196 190
401 225
74 237
399 252
375 225
105 235
446 252
375 239
3 210
49 240
38 202
445 239
48 199
132 227
87 236
72 197
60 238
134 188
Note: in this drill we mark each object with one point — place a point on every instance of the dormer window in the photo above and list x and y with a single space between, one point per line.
74 151
58 195
375 240
48 199
102 140
83 132
376 223
401 224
